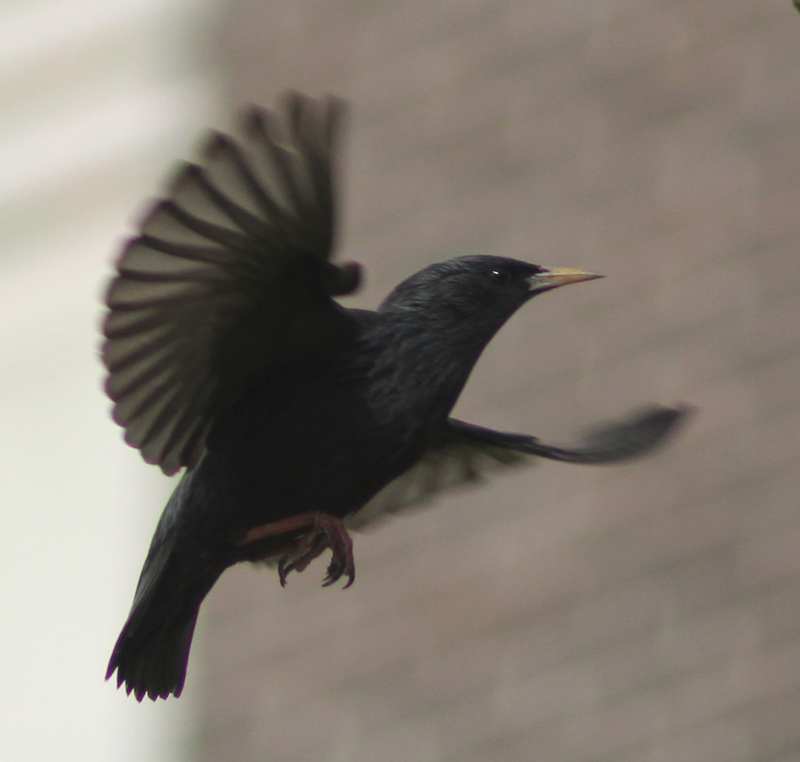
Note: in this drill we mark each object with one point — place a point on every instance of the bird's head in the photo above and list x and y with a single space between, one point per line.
478 293
436 324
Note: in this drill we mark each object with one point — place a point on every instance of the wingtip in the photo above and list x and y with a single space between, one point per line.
214 144
344 279
253 121
185 174
646 430
672 417
664 421
686 410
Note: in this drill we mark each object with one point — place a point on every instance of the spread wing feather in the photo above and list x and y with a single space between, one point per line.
228 278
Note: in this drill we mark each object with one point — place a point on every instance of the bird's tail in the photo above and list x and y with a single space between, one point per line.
152 651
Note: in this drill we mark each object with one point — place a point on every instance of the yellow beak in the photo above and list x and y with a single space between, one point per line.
553 277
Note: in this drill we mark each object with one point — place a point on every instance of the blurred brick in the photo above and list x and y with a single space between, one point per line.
724 741
612 729
774 725
778 611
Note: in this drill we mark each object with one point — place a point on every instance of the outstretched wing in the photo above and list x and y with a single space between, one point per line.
229 277
466 454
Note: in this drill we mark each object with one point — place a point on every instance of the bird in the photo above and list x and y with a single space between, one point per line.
294 418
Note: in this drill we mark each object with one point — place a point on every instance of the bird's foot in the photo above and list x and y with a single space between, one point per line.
324 532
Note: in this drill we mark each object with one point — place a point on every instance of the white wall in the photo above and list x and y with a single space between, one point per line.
96 98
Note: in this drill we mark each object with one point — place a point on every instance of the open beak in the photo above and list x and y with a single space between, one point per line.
553 277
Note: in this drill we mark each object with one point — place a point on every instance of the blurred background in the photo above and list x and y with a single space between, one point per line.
647 612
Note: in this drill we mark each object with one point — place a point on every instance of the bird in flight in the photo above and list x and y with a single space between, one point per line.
294 417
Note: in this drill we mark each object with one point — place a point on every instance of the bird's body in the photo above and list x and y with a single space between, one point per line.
293 415
355 419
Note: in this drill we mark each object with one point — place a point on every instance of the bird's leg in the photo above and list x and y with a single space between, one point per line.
310 546
342 562
325 532
320 532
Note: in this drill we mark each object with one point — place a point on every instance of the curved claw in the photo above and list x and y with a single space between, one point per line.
311 546
325 532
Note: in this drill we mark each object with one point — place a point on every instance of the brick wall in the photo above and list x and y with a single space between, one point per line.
646 612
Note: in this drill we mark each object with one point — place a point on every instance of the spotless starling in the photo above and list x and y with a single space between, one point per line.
294 417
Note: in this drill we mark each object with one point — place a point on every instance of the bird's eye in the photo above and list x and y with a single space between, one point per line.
499 275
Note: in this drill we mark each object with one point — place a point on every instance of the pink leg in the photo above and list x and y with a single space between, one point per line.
322 532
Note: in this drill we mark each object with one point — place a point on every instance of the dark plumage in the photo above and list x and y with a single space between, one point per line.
227 355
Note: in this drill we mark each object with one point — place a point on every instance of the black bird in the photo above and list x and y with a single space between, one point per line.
227 355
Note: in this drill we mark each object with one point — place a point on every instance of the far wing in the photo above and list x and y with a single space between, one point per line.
467 453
